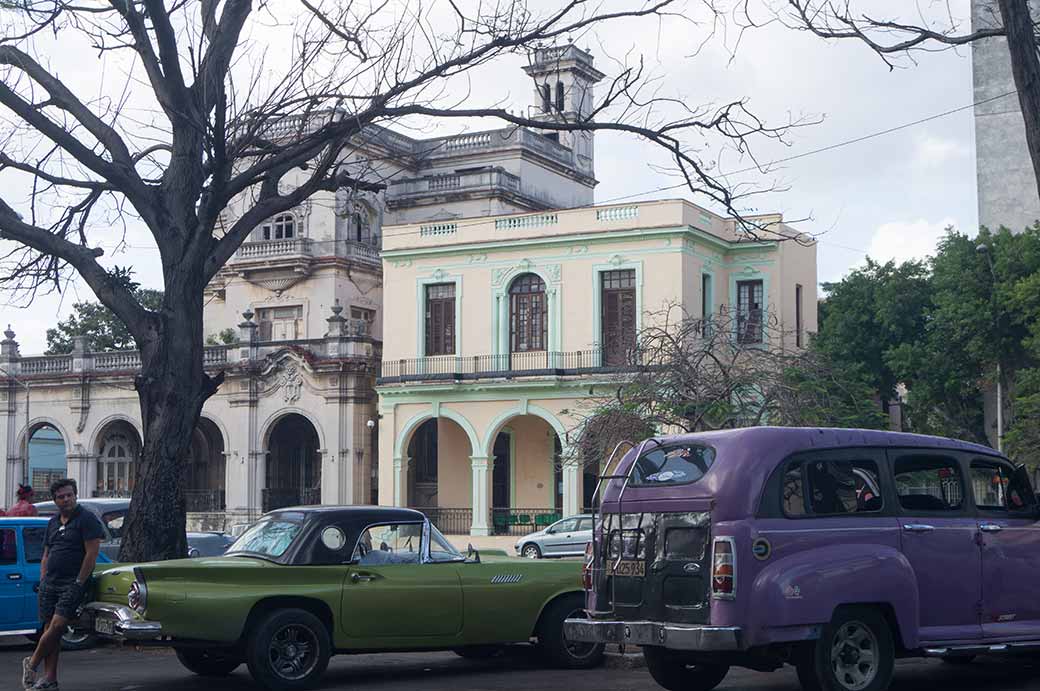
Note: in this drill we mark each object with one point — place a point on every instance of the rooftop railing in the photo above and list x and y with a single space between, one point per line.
504 365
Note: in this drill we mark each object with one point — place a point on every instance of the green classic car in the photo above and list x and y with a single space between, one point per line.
304 583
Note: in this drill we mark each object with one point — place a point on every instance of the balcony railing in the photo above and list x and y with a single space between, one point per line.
265 249
118 360
480 180
280 497
204 500
537 363
448 520
48 364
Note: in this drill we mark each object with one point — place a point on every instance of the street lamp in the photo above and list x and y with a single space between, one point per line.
25 385
984 250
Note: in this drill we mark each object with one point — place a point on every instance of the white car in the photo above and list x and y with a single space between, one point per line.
565 538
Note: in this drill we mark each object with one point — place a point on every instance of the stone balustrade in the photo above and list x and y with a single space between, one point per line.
274 248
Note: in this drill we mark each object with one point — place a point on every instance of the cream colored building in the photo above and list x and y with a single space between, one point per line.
503 326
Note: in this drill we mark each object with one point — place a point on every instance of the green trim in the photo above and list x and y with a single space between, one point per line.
711 295
500 317
597 295
579 238
550 388
436 277
734 278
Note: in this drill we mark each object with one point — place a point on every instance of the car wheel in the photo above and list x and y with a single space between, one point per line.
77 640
208 663
555 647
673 672
288 649
531 551
479 652
854 653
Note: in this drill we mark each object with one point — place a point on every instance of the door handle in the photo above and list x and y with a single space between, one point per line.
360 578
918 528
14 576
991 528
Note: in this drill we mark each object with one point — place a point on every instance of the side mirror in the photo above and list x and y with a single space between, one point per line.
472 555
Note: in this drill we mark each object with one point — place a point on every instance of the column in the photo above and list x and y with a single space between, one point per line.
479 465
572 492
401 480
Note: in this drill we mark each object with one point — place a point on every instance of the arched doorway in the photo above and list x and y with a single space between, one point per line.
439 474
47 460
293 464
204 469
118 452
526 476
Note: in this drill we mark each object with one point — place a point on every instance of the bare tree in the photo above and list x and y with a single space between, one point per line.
893 38
196 116
690 375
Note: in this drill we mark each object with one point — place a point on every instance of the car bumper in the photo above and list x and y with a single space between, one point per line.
675 636
120 622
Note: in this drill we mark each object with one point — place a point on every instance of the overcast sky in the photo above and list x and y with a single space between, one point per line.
889 197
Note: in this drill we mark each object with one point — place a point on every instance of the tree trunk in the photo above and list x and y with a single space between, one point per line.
1025 65
172 388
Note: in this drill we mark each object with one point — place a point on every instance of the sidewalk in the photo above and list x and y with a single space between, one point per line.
504 542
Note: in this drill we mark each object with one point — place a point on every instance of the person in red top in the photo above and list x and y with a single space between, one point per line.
24 505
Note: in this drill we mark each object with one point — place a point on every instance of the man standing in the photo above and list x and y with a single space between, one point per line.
70 551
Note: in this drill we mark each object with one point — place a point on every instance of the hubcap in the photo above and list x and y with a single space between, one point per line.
854 656
293 652
71 636
531 552
578 649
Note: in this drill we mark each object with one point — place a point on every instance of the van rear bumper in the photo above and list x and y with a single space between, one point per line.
665 635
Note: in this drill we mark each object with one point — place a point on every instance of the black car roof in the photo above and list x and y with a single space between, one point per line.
359 513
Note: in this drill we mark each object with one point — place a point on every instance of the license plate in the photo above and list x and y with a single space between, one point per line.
629 567
105 626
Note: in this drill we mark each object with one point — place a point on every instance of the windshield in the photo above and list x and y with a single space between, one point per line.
270 537
672 465
441 549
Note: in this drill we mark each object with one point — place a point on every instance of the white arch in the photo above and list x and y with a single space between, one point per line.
516 411
45 421
221 430
439 411
95 435
269 424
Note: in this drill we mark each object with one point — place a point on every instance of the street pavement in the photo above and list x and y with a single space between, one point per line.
126 669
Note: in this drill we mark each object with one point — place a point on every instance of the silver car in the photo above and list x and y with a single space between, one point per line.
566 538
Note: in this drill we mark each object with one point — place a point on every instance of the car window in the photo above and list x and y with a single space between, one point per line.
397 543
929 483
270 537
584 524
565 526
998 488
672 465
440 549
113 520
33 540
8 547
831 487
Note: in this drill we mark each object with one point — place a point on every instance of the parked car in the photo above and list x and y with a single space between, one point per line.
112 512
566 538
304 583
21 548
836 551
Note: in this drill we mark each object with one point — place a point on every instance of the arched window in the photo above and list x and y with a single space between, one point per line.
528 318
546 98
559 96
117 466
281 227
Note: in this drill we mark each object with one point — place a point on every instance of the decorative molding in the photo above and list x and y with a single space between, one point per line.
552 273
291 382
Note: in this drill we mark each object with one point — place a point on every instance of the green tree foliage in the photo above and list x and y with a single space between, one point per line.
224 337
104 331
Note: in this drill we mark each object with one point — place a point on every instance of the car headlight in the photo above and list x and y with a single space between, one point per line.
137 598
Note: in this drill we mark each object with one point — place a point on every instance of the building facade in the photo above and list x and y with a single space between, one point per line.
1007 185
504 327
301 304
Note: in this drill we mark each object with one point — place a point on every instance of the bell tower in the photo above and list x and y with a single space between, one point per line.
563 79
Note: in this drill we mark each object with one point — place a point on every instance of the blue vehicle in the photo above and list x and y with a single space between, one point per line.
21 548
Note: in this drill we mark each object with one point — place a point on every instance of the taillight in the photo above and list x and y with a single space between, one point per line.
723 568
586 570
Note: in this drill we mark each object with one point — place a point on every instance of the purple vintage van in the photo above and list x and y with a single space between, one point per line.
833 550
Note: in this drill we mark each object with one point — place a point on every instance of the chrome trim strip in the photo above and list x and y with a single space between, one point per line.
673 636
127 625
19 632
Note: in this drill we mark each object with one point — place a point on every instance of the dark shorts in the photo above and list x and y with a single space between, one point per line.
59 597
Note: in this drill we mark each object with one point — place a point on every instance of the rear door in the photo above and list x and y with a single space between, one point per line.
11 580
581 536
32 554
1010 543
938 536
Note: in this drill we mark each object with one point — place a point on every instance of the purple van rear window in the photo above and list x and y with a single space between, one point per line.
672 465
